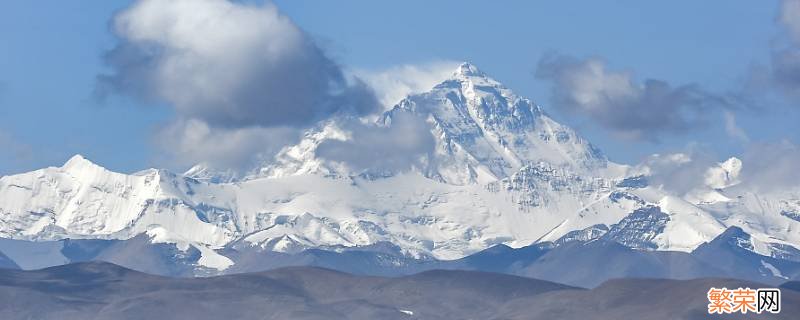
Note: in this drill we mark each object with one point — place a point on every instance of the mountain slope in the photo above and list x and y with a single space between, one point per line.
483 131
486 132
583 258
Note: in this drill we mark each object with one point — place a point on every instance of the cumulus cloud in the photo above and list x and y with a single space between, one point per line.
228 64
403 143
192 141
771 166
765 167
617 102
393 84
679 173
235 73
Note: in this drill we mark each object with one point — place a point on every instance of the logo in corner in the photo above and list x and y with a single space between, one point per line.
744 300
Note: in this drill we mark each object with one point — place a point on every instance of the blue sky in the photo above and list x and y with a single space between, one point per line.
51 53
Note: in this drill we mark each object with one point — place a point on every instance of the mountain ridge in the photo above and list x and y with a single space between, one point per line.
501 172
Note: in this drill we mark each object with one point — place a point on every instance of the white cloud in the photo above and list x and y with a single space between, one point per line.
678 172
763 167
771 166
615 101
228 64
393 84
190 142
239 76
401 145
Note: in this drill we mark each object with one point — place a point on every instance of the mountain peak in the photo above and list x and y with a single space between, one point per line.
490 132
468 78
78 163
467 69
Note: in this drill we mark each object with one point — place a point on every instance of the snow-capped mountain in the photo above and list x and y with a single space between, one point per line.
484 132
501 172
